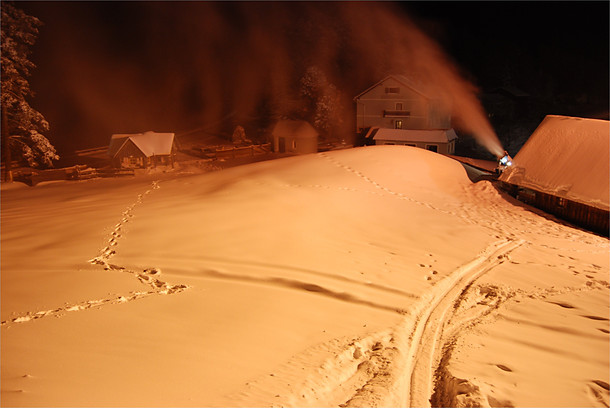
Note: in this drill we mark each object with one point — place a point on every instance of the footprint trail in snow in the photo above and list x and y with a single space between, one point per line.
149 276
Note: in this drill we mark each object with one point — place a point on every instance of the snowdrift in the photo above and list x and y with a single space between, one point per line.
320 280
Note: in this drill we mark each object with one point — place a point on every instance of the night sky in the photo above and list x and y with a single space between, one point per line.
563 45
112 67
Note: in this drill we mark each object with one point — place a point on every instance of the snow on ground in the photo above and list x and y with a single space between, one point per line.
363 277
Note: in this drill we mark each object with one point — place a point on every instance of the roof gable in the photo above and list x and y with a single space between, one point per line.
567 157
116 143
149 143
403 80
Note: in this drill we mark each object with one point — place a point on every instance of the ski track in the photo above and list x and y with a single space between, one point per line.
148 276
394 367
426 344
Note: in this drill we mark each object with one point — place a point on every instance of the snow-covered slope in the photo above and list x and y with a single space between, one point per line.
318 280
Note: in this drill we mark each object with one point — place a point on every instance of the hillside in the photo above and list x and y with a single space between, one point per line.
363 277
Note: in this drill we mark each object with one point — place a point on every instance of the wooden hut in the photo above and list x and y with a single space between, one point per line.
563 169
294 136
142 150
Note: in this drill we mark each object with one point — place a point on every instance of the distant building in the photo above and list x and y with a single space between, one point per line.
142 150
397 102
294 136
506 104
563 170
438 140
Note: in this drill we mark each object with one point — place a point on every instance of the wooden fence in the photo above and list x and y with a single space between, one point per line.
32 177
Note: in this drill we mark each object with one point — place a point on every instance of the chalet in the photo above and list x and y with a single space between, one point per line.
436 140
563 169
294 136
397 102
142 150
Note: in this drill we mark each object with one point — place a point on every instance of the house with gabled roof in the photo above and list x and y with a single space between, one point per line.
142 150
399 102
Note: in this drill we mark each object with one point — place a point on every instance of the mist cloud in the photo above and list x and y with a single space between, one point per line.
170 66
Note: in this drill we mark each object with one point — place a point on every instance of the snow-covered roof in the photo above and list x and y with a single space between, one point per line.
410 135
150 143
298 129
567 157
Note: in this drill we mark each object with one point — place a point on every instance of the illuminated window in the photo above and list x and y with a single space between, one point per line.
561 202
392 90
398 124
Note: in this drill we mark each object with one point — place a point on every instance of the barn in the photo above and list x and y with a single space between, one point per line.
437 140
400 102
142 150
563 169
294 136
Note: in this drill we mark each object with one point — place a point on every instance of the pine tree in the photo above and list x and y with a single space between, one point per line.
322 101
22 125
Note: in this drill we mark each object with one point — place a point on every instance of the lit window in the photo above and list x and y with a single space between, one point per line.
398 124
561 202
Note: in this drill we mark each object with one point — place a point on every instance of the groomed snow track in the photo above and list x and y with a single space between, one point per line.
437 308
417 345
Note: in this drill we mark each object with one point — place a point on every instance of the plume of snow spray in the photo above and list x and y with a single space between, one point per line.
248 57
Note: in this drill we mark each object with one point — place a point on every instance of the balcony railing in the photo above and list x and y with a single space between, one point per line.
396 113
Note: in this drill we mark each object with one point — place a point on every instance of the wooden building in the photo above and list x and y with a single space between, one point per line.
437 140
294 136
563 169
397 102
142 150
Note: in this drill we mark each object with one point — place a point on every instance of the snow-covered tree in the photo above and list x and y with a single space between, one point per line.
322 101
22 124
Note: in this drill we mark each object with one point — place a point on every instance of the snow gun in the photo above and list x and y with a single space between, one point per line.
504 162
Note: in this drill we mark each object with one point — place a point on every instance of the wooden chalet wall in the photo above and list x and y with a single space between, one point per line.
586 216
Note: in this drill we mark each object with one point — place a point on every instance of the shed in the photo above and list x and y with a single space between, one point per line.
563 169
294 136
400 102
142 150
437 140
